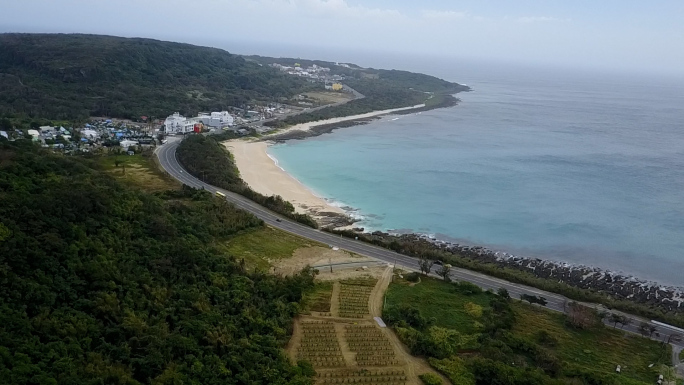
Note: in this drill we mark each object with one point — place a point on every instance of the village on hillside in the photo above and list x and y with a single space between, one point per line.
132 136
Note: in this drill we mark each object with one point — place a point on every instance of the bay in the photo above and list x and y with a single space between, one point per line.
579 167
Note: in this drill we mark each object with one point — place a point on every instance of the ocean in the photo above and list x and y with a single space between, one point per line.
579 167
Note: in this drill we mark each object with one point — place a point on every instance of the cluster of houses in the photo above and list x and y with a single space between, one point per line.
97 133
315 72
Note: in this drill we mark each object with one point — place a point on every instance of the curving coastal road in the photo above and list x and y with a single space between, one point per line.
167 158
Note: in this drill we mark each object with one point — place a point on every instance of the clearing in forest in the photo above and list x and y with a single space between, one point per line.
329 97
342 340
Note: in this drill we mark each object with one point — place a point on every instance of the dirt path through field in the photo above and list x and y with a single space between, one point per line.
377 296
296 339
335 300
414 366
349 356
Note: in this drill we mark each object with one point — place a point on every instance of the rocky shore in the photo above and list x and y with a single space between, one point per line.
616 285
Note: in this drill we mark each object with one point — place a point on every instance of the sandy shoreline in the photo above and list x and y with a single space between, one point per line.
263 175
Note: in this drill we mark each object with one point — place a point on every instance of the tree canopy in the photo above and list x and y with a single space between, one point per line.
102 283
69 76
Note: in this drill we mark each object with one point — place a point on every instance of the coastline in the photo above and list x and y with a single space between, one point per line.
262 173
303 130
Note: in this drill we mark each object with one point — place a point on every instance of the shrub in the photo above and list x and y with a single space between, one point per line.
473 309
455 369
467 288
412 277
430 379
582 317
442 343
545 338
405 315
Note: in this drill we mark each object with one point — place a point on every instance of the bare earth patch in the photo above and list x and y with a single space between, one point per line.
315 256
329 97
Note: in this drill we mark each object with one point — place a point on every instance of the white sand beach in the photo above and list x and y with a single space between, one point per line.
263 175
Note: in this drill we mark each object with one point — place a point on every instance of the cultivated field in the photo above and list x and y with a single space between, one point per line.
345 344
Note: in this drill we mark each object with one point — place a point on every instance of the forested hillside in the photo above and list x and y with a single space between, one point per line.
74 76
101 283
402 79
383 89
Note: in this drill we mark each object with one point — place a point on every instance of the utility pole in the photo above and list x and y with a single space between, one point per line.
330 263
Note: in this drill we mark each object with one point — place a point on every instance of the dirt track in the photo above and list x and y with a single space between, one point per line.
412 366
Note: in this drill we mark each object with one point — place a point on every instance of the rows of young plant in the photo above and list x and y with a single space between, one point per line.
360 281
371 346
380 377
319 345
353 301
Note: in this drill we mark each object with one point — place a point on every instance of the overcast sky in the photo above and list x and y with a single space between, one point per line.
642 35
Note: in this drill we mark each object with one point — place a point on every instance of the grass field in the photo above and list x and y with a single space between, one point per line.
138 171
437 299
261 247
599 349
681 355
329 97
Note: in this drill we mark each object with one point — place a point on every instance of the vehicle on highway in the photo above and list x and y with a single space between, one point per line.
278 220
220 194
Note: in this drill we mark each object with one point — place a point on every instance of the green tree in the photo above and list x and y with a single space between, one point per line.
444 271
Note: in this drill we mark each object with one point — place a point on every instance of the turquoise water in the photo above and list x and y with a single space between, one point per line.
578 168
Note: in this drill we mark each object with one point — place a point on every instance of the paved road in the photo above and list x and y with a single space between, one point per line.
167 159
357 95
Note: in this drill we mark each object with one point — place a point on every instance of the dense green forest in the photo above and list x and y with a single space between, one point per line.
61 76
102 283
204 157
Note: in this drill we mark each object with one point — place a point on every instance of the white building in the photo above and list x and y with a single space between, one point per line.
128 143
224 118
178 124
217 119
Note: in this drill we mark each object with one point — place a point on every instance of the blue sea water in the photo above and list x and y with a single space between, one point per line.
576 167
